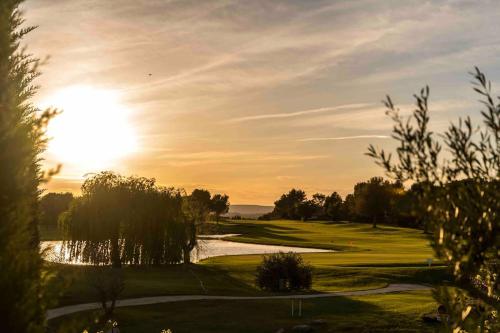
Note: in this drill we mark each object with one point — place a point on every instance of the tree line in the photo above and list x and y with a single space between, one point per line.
130 220
375 201
202 204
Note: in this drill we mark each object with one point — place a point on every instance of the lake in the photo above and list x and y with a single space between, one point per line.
208 246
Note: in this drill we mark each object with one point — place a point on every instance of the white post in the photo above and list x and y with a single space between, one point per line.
292 307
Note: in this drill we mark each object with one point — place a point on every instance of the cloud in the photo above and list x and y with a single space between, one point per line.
236 83
297 113
184 159
351 137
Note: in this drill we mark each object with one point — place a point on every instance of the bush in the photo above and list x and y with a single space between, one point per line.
283 272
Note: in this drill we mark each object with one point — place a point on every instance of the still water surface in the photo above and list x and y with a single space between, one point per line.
208 246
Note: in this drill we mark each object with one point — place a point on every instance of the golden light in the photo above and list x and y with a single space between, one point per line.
93 131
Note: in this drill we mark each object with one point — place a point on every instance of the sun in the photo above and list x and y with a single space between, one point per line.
93 131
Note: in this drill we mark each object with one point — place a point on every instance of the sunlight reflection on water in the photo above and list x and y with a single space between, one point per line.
214 246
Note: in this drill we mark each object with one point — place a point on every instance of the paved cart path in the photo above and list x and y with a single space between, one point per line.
65 310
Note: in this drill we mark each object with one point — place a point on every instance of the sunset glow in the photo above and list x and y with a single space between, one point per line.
93 131
248 98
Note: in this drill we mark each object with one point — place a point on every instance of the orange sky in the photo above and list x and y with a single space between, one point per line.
248 98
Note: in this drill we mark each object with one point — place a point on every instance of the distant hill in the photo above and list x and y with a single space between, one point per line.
249 211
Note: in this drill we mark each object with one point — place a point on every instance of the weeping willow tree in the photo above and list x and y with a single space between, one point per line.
127 220
22 129
459 196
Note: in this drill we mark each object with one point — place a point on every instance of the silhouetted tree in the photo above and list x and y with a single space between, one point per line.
287 206
22 127
306 209
349 207
127 220
373 199
199 203
460 196
52 205
219 205
333 206
318 200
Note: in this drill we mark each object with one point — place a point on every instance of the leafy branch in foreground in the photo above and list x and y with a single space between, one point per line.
458 194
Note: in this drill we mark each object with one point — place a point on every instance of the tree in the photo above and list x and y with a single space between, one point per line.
219 205
22 128
287 206
108 283
373 199
52 205
199 203
306 209
349 207
333 206
459 194
283 272
318 200
127 220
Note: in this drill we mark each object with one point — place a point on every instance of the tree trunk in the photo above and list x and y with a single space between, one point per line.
187 256
375 221
115 254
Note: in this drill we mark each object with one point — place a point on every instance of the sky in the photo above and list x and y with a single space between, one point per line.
249 98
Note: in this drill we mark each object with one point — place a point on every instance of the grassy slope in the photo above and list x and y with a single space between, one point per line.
371 259
398 312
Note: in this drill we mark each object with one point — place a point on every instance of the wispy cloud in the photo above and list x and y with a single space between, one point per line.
297 113
184 159
351 137
234 83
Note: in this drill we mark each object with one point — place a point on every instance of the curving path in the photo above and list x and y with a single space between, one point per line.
65 310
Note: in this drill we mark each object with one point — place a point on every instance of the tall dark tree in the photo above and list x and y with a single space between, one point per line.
21 142
219 205
199 203
373 199
287 206
22 128
459 194
349 207
306 209
333 206
318 200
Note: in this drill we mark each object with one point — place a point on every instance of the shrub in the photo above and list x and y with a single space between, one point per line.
283 272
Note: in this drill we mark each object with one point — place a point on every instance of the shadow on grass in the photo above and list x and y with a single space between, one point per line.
144 281
255 232
341 314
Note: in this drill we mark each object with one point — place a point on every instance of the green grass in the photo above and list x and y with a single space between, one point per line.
384 244
371 258
398 312
366 258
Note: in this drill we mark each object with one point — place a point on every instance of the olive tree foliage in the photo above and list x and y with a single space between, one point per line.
458 194
22 128
127 220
